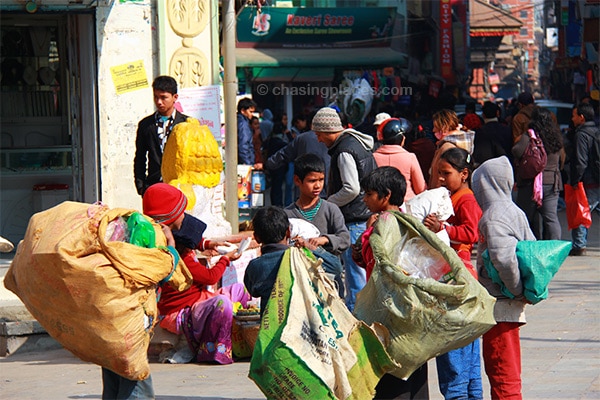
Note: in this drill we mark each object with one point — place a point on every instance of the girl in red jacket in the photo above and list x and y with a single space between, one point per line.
204 317
459 371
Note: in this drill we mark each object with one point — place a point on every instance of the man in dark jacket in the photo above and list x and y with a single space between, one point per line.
351 160
303 143
245 109
493 139
153 132
585 167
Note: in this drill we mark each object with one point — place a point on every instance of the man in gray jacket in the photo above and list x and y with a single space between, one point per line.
351 160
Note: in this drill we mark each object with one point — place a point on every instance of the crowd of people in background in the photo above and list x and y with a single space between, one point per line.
340 177
478 159
419 135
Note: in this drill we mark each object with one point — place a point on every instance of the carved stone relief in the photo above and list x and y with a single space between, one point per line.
188 18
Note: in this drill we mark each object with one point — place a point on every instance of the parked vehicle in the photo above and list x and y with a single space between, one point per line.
563 111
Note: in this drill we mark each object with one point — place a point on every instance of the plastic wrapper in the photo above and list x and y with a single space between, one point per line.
116 231
420 260
304 229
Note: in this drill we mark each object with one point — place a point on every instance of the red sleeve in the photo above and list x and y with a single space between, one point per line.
201 274
463 224
204 244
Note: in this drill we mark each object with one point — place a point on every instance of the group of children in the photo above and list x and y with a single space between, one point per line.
483 213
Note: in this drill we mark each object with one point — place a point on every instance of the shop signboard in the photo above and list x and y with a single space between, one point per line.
294 27
446 39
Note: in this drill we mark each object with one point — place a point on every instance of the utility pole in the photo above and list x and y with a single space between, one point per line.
229 92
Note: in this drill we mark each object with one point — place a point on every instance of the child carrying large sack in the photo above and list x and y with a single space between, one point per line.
95 296
425 317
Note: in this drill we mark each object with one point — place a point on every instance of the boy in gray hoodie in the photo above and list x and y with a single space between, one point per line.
501 226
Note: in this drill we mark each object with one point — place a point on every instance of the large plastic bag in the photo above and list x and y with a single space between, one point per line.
539 261
94 296
432 201
309 344
303 228
425 318
578 208
360 102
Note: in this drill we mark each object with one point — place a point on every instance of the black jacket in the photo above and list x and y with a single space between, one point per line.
492 140
355 210
148 155
585 162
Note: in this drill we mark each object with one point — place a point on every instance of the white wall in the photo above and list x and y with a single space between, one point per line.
126 32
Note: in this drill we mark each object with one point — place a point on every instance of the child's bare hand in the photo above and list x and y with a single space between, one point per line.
432 223
168 234
318 241
214 244
357 256
301 242
372 219
233 255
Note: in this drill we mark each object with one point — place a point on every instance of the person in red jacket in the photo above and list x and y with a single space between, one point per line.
205 317
459 370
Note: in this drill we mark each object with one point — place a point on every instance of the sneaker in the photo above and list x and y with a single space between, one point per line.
577 252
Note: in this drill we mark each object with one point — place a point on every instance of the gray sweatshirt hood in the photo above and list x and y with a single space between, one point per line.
365 140
267 114
493 182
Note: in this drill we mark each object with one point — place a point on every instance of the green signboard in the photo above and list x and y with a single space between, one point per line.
315 27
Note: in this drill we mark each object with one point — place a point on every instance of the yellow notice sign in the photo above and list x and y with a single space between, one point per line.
129 77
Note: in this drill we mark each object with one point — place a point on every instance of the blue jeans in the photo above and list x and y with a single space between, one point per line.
115 387
332 264
459 373
355 276
579 234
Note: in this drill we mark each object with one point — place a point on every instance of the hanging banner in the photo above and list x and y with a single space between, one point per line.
202 103
446 39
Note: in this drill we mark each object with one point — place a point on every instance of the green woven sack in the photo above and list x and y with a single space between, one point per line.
539 261
425 318
309 345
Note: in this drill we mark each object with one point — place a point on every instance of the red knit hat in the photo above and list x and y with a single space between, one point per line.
164 203
472 121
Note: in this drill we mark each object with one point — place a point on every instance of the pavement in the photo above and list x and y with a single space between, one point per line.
560 351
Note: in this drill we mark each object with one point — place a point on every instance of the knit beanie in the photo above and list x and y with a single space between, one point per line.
327 120
164 203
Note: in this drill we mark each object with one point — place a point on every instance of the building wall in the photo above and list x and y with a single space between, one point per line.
132 31
126 32
525 11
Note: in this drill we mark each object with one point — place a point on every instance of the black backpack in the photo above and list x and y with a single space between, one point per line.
533 161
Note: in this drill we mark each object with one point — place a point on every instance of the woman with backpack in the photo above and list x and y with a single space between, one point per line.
541 212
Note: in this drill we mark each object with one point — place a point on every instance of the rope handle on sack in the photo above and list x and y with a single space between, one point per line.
176 259
166 279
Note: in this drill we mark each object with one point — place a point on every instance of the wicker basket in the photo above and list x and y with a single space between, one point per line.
249 325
